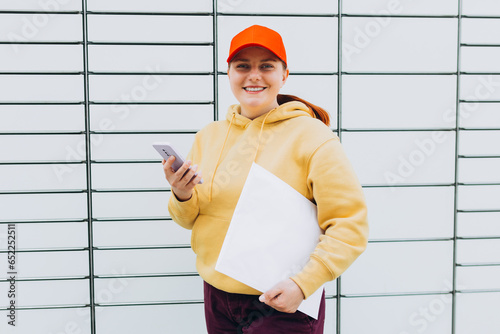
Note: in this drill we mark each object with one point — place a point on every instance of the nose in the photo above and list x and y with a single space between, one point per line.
254 74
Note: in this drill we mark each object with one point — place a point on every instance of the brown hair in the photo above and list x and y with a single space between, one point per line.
318 112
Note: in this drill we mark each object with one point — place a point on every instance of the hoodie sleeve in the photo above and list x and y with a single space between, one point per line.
185 213
342 214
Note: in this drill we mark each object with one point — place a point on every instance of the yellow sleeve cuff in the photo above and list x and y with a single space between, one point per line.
184 213
312 276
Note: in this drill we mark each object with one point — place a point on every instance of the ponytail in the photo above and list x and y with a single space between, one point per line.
318 112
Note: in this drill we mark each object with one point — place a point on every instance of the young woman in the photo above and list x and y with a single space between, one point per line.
290 138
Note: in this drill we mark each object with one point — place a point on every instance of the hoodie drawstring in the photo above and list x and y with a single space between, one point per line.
218 160
260 133
224 144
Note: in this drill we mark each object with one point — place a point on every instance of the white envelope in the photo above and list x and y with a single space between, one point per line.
273 231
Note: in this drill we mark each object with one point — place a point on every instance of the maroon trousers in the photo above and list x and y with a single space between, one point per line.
232 313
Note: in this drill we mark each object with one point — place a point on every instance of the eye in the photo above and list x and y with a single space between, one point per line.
242 65
267 66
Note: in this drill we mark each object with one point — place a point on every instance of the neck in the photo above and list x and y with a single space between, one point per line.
252 113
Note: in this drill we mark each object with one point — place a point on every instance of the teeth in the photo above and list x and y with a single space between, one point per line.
254 89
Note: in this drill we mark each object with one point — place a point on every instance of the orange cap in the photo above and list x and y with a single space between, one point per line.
258 36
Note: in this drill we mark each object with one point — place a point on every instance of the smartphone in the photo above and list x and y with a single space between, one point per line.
166 150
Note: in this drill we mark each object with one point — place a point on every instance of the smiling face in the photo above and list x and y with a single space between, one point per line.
256 76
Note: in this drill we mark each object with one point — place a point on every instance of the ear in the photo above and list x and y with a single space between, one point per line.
285 76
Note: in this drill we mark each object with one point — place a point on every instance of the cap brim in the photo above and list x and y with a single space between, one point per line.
244 46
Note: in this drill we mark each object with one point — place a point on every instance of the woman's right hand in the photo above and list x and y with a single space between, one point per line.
184 180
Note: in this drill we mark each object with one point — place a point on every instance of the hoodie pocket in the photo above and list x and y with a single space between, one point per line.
207 236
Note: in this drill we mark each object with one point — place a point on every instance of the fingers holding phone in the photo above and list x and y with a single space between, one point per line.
191 175
185 174
181 175
183 180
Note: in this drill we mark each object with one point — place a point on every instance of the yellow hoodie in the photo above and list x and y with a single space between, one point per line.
300 150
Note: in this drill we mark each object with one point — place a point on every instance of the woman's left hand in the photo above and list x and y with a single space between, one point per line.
285 296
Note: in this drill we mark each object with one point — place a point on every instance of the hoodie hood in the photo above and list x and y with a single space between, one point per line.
283 112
